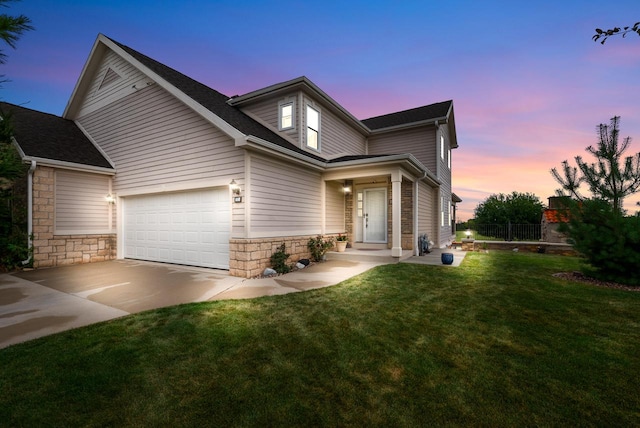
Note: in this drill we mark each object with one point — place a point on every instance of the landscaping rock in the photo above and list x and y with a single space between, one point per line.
269 272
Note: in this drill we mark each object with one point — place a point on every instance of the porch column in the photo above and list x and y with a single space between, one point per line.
396 214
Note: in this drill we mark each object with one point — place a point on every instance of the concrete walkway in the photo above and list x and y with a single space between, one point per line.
41 302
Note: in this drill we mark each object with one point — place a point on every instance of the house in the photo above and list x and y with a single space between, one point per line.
146 163
556 214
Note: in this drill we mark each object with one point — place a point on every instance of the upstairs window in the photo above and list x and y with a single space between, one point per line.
286 116
449 158
313 128
442 146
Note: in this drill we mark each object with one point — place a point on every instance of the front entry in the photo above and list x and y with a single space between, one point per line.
374 227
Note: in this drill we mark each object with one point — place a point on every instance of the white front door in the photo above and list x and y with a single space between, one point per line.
375 216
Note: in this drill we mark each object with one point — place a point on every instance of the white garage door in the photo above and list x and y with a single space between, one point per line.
189 228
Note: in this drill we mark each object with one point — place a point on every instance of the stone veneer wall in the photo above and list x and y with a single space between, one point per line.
406 219
51 250
348 211
249 257
526 246
406 215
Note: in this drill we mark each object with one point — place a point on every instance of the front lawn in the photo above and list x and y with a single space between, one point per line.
497 341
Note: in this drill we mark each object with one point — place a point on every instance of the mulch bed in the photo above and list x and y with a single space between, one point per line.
580 277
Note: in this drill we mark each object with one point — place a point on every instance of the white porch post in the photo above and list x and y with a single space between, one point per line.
396 221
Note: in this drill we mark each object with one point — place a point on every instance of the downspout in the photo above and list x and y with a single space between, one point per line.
32 168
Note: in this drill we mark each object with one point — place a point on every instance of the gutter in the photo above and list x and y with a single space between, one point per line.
69 165
32 168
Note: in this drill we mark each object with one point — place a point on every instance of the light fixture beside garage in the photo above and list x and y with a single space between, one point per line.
111 199
235 190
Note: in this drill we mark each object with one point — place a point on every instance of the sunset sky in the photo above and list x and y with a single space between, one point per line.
529 85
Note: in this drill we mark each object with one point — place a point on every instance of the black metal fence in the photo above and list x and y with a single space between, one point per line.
508 232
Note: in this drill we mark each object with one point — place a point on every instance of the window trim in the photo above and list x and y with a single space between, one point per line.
281 107
307 128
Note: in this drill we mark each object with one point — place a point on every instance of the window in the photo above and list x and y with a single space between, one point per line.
442 146
286 116
313 128
449 158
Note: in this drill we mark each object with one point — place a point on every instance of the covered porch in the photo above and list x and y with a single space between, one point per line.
361 253
379 206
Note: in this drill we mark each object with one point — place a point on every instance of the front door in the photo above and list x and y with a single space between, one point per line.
375 216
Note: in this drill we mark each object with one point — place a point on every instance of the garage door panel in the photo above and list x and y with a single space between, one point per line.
186 228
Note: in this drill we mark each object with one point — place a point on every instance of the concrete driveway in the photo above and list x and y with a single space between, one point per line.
40 302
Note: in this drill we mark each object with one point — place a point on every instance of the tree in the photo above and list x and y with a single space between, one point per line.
515 208
608 241
610 178
605 34
13 236
11 28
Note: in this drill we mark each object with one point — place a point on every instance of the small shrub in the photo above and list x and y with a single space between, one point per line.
319 246
279 260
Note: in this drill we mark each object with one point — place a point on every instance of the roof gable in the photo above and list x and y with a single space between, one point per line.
49 137
208 102
438 113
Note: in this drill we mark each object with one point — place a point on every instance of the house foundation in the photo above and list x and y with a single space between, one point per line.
248 258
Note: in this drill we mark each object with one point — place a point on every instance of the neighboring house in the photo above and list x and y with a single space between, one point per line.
165 148
552 217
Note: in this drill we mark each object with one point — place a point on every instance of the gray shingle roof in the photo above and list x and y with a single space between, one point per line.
418 114
357 157
47 136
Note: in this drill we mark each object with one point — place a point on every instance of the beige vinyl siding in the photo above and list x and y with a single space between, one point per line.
80 204
267 113
420 142
120 75
285 198
426 211
334 207
154 139
238 210
445 231
444 175
442 170
336 136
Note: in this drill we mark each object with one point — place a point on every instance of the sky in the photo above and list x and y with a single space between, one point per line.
528 84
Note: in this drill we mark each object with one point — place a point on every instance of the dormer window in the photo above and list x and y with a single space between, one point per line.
286 116
313 128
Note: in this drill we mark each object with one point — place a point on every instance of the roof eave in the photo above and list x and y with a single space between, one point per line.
258 143
410 125
408 158
68 165
83 82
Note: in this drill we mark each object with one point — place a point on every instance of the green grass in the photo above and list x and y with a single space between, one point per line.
497 341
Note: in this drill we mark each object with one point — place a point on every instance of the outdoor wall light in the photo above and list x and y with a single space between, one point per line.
110 199
346 189
235 188
468 233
